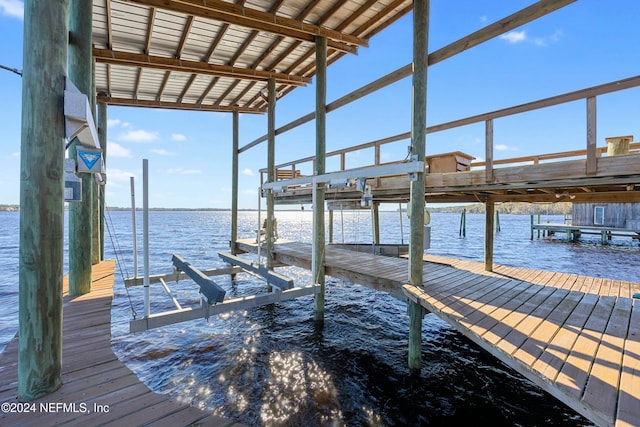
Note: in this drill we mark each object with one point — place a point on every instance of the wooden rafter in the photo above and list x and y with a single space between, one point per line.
172 64
187 87
163 85
109 32
137 86
185 36
152 20
207 90
243 93
226 93
125 102
258 20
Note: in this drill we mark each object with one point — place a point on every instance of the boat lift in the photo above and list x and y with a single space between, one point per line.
212 300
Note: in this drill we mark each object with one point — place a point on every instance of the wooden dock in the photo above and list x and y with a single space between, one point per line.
574 336
98 389
574 231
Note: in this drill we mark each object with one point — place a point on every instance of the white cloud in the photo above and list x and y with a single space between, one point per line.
483 18
162 152
247 172
178 137
182 171
250 192
118 175
138 136
14 8
15 154
113 122
514 37
502 147
116 150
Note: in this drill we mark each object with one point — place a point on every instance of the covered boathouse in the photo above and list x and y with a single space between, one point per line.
82 56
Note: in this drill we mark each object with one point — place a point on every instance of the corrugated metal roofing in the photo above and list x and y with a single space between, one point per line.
218 55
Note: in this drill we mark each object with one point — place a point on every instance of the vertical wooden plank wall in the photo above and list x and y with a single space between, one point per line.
80 214
42 198
418 148
321 148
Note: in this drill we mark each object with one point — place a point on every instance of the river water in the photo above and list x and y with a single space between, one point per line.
272 366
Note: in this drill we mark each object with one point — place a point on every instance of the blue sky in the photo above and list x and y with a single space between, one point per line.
587 43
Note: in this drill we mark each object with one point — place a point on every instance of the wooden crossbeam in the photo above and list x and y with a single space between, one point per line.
244 303
258 20
126 102
276 279
113 57
210 289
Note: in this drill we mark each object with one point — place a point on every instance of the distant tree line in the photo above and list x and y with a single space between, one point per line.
560 208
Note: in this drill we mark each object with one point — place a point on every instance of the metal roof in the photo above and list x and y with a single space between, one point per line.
216 55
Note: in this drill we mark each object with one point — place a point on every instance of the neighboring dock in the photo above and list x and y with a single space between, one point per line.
575 231
98 389
571 335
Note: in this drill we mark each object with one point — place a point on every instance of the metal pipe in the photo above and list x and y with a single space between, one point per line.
133 226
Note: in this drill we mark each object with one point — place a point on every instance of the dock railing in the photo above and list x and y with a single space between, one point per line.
591 152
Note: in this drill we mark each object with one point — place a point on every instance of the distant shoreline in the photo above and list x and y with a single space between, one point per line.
504 208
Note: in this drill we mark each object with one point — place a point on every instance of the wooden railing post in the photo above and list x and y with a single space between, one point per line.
592 160
489 150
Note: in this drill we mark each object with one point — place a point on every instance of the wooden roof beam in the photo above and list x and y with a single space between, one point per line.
107 6
152 20
172 64
125 102
185 36
258 20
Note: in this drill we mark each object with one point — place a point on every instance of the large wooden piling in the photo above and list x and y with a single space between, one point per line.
418 148
271 144
42 198
80 214
321 145
234 184
488 235
102 135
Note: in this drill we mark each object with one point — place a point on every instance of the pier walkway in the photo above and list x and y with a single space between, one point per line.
574 336
98 389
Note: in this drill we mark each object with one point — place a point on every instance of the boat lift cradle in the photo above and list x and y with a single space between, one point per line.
212 302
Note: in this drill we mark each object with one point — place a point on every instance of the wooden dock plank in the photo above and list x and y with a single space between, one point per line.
628 414
565 332
515 336
92 374
574 373
537 340
601 392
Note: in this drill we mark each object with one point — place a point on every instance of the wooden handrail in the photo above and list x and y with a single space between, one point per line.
536 158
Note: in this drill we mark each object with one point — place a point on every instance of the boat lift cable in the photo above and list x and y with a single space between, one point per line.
121 264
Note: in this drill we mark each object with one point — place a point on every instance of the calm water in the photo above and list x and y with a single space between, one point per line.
272 366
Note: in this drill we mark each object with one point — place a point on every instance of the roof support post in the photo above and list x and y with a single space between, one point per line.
321 148
488 234
102 136
42 198
96 209
234 185
271 144
80 213
418 148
